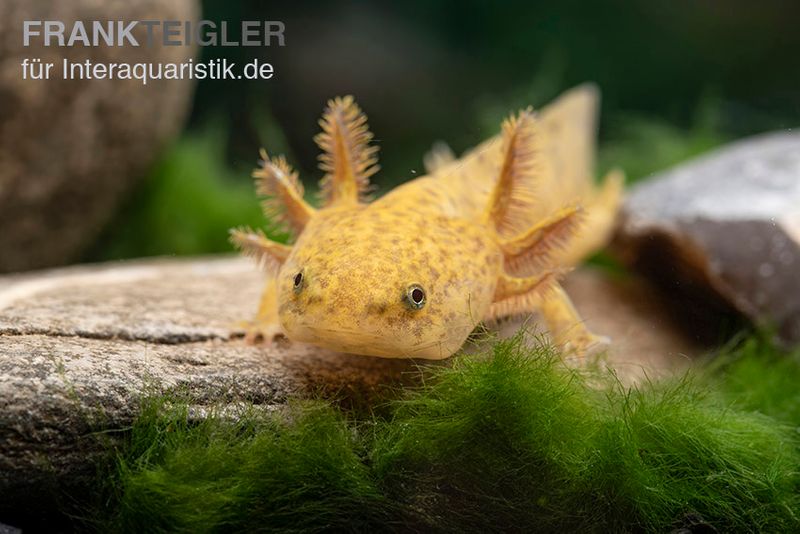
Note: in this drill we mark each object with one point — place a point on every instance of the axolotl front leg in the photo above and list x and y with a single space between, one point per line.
266 325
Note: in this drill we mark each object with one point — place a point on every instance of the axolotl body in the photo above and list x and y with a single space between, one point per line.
412 273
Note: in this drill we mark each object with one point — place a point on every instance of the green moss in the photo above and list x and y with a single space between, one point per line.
671 450
298 471
757 376
491 441
506 441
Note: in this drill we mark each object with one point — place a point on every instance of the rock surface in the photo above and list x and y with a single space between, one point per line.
726 225
80 346
70 150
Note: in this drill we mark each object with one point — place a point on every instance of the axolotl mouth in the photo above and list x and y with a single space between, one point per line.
361 342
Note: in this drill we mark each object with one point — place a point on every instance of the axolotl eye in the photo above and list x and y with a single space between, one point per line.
415 296
298 282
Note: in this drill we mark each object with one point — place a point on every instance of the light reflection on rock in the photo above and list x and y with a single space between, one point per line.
729 222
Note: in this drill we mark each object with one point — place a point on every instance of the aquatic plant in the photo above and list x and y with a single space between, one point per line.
509 440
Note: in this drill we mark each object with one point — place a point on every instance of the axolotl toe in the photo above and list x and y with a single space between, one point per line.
411 274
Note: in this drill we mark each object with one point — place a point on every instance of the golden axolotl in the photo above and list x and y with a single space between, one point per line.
412 273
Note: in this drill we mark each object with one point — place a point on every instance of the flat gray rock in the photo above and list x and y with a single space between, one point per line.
728 224
80 347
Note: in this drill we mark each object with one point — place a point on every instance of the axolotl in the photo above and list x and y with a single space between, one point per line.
411 274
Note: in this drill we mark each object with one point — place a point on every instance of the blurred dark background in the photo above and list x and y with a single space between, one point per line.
677 79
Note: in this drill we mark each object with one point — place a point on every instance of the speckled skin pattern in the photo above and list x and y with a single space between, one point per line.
346 282
364 309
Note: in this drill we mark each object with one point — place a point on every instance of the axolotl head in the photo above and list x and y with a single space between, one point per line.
387 283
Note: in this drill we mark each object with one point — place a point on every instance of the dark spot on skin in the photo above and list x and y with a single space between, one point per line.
420 325
397 320
377 308
313 299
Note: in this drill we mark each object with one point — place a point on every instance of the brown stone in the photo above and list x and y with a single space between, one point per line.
71 150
